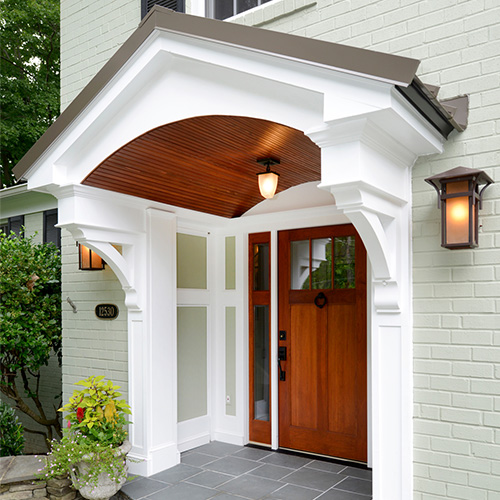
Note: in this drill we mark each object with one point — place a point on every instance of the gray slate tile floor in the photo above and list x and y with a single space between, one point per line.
228 472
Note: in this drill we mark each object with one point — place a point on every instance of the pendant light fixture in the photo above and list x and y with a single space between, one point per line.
268 180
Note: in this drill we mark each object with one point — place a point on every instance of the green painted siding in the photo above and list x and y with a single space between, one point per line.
191 362
191 261
231 360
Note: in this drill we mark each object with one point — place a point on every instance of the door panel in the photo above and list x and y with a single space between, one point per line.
304 345
323 397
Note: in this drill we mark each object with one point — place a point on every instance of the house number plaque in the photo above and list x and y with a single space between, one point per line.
106 311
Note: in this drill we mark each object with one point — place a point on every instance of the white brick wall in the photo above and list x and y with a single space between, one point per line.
457 293
91 346
91 32
457 296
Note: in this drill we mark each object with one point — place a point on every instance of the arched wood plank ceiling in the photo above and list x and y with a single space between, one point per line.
208 163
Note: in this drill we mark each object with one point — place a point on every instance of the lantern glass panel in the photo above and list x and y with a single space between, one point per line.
268 182
475 223
85 257
457 213
96 261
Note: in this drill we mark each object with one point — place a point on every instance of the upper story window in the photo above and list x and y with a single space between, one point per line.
15 224
51 233
177 5
222 9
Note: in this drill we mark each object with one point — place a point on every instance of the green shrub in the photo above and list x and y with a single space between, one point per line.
11 432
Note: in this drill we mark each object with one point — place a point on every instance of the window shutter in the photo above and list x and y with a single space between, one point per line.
147 5
51 234
15 224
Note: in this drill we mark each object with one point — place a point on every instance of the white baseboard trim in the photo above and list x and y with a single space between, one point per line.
159 459
227 437
193 433
194 442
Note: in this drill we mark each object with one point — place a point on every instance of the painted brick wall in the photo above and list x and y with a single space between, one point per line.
91 346
456 293
91 32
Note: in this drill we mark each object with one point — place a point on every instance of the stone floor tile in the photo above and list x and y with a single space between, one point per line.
143 487
197 459
293 492
355 485
252 487
232 465
355 472
177 473
184 491
327 466
210 479
312 478
284 460
253 453
334 494
218 449
271 471
226 496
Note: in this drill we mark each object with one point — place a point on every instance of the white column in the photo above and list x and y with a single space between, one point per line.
368 174
160 336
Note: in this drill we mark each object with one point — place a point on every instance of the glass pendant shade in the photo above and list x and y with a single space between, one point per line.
268 182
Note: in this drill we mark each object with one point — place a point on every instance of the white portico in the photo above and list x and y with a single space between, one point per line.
179 75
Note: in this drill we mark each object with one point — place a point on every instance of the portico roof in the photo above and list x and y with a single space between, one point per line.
388 68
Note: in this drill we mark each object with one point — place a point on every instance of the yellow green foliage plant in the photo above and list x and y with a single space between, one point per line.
96 413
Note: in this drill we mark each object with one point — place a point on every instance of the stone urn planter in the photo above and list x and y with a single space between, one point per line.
106 486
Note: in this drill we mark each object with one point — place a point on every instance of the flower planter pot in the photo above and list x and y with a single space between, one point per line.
106 486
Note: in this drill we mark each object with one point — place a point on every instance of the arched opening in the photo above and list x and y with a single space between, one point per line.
208 163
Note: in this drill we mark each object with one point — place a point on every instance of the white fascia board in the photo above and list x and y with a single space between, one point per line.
17 200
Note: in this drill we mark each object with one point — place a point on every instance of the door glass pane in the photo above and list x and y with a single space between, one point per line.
299 262
261 266
321 263
344 261
261 362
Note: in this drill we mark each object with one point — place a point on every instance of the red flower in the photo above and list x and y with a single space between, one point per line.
79 414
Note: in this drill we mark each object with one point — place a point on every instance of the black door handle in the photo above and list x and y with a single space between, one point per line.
281 357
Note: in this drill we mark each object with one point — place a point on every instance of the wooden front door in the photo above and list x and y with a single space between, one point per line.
322 325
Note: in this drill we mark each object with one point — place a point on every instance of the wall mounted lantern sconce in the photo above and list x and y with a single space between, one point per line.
89 260
268 180
460 200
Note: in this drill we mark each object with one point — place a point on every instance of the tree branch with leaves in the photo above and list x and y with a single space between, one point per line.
29 77
30 324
